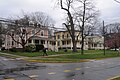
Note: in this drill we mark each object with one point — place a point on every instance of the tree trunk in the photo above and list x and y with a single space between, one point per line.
82 46
83 25
23 48
71 30
74 45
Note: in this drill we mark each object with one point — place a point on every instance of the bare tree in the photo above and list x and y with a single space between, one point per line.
2 31
117 1
115 31
86 18
70 26
41 18
1 35
20 29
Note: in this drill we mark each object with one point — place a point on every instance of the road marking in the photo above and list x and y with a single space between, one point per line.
67 70
9 79
77 69
51 73
32 60
87 67
33 76
5 59
19 58
8 59
113 78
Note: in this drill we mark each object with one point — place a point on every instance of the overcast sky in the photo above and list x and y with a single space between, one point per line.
109 9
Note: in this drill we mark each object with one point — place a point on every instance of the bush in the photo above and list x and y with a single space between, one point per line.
30 48
65 50
3 49
13 49
39 47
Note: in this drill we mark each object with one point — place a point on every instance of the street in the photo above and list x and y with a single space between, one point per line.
17 69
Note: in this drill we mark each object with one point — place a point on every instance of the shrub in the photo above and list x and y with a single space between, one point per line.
3 49
65 50
30 48
13 49
39 47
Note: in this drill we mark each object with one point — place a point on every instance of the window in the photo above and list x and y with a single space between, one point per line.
67 35
95 45
55 37
63 42
58 36
100 45
29 41
42 41
54 43
12 43
67 42
42 33
63 36
58 43
36 41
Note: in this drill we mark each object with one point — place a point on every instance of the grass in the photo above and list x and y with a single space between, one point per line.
62 56
86 56
35 54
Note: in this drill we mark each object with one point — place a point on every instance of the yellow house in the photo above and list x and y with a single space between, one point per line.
64 41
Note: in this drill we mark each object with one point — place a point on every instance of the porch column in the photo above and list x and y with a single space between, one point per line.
32 41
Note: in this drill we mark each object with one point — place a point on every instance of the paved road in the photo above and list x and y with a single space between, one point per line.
93 70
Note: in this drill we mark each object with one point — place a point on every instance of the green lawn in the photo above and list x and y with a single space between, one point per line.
35 54
87 56
69 56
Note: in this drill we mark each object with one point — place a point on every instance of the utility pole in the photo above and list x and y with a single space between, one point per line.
104 36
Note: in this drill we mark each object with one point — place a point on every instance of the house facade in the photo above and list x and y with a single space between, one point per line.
95 42
60 40
64 41
34 36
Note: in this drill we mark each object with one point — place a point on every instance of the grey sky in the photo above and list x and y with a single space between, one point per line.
108 8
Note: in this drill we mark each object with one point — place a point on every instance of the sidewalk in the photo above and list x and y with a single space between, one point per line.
51 56
13 56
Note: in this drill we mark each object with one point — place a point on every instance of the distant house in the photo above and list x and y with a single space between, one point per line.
95 42
64 41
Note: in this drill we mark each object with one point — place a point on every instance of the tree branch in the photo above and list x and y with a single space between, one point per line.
68 29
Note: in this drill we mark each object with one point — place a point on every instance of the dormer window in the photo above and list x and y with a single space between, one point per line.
42 33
